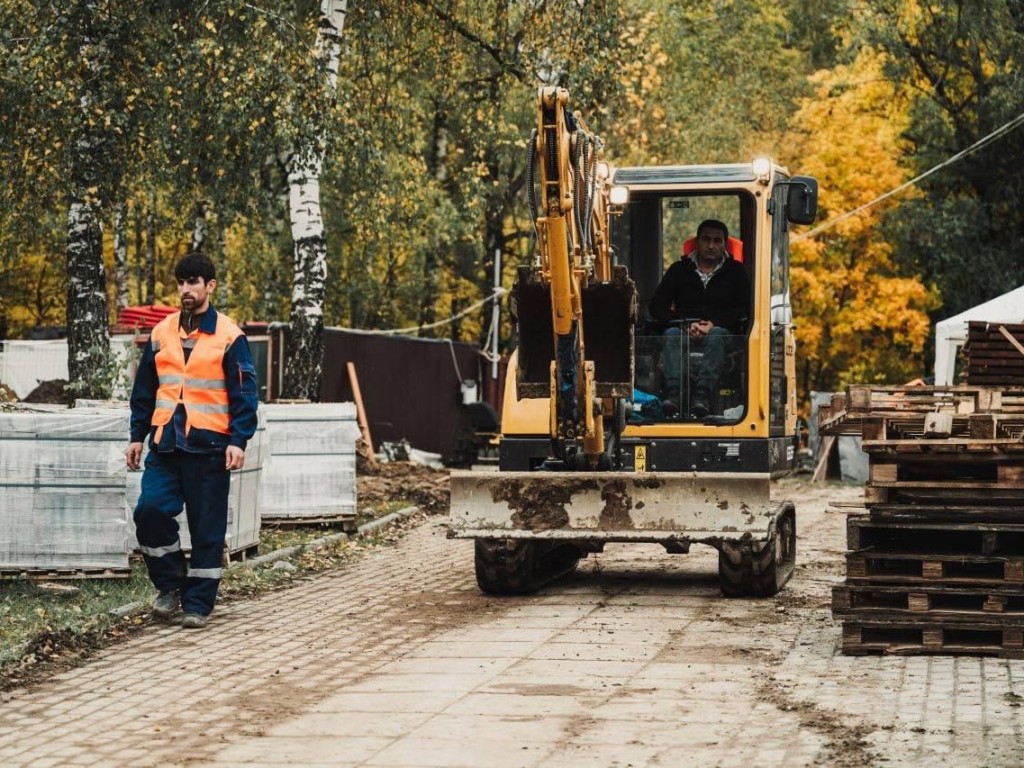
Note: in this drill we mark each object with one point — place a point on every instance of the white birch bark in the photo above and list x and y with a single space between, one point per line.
199 228
121 256
87 322
304 370
149 265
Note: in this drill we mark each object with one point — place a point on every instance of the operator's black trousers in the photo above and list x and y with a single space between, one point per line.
200 483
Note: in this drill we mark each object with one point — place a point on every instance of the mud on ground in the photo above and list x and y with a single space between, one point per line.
418 484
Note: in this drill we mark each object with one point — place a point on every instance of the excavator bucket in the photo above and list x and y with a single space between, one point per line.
708 508
609 314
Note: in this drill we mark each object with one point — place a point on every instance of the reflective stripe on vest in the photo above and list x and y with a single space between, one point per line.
198 384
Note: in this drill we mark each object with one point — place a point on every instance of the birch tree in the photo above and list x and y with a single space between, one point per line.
120 257
304 370
88 333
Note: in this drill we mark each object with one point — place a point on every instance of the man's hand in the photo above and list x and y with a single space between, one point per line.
234 458
133 455
700 328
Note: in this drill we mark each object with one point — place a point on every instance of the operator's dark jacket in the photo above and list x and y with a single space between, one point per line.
725 301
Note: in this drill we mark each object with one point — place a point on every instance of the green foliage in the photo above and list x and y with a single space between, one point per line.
959 65
109 378
426 145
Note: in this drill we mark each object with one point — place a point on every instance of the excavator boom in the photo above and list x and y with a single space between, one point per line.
575 312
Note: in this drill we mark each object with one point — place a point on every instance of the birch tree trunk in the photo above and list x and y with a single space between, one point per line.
199 228
304 370
88 332
121 256
431 263
139 257
149 265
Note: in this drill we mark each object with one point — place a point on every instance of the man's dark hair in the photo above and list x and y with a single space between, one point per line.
713 224
195 264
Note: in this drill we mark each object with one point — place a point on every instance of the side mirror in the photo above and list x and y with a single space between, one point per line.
802 201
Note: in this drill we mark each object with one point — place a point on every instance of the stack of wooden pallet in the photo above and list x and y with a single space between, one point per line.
936 564
995 353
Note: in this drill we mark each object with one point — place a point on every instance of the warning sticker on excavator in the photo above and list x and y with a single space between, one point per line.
640 458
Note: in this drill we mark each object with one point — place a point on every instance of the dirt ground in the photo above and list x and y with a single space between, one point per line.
385 483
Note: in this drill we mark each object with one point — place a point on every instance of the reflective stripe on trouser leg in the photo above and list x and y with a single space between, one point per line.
156 528
206 505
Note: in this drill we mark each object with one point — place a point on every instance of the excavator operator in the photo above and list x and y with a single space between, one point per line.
707 295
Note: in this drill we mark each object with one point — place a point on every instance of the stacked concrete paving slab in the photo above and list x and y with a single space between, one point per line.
62 481
310 475
936 564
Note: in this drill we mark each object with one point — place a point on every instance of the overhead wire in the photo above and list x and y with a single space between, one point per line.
495 295
998 133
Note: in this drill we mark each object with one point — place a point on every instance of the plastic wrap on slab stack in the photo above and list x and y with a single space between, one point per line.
311 471
62 483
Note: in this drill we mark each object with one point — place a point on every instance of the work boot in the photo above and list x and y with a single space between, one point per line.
670 402
166 605
700 405
194 621
699 409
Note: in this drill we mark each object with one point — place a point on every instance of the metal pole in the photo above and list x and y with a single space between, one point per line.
496 313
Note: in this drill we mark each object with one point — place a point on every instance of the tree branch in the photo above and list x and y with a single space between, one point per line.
478 41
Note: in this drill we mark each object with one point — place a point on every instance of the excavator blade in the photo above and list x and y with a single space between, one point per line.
612 506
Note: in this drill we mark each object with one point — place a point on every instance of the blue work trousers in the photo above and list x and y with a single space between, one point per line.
713 346
200 483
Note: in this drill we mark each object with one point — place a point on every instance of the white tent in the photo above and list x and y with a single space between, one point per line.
951 333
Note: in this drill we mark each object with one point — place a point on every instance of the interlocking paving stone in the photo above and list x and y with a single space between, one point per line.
398 660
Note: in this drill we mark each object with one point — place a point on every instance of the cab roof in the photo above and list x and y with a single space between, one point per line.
686 174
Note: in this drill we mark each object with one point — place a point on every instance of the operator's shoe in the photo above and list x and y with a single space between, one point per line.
699 408
670 403
194 621
166 605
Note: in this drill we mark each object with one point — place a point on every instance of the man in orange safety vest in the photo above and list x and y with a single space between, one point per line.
195 399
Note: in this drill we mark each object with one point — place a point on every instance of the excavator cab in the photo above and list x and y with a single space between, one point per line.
668 361
668 475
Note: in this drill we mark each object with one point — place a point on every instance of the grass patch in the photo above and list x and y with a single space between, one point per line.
29 608
53 623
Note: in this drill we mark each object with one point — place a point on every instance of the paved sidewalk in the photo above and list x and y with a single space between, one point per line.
398 660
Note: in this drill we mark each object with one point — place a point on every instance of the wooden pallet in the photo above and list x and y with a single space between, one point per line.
946 513
846 413
867 534
931 637
1005 470
934 493
937 431
995 353
346 522
923 569
964 400
952 604
241 555
51 574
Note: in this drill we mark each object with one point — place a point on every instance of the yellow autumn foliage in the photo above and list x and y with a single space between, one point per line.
859 319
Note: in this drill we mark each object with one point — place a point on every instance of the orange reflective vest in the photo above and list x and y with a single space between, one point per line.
199 384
